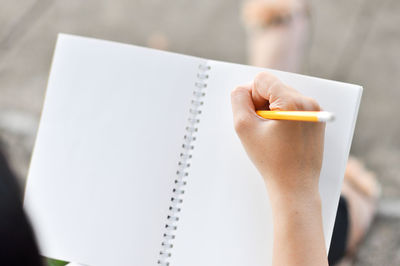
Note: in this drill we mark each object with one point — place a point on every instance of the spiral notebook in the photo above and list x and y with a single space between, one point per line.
136 161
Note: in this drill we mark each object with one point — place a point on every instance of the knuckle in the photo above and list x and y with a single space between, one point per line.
277 87
312 104
303 103
264 76
291 101
238 90
270 84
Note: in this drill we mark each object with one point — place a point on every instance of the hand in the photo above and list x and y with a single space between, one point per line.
288 154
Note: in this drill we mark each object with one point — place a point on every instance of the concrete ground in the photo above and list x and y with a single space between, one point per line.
356 41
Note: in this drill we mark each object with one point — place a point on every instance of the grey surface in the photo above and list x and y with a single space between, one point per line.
355 41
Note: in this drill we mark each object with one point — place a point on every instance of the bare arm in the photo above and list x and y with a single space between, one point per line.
289 157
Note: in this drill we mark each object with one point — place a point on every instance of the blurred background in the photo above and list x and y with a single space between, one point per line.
355 41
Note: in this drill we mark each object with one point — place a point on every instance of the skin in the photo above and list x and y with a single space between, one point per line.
288 155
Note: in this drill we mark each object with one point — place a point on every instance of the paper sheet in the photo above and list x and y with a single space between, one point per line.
226 218
105 158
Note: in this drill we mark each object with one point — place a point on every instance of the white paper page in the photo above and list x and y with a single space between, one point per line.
226 218
105 158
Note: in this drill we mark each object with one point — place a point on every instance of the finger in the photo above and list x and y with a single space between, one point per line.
268 89
259 101
243 109
309 104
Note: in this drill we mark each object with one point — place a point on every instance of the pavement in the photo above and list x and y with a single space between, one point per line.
355 41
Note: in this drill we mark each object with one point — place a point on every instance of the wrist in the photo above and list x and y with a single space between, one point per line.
292 212
298 229
293 189
302 199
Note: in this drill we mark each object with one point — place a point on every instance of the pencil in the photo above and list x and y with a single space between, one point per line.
308 116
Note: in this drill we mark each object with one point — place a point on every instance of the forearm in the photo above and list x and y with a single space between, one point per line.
289 156
298 233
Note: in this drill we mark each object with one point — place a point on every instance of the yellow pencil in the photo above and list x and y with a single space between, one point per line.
308 116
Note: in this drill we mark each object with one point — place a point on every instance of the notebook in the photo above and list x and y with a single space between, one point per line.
136 161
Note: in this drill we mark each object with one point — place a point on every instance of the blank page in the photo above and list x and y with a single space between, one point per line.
108 144
226 216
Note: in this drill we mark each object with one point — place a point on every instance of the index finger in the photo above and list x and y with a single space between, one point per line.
267 88
269 93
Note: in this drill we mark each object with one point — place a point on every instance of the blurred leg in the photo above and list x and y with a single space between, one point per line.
277 37
362 192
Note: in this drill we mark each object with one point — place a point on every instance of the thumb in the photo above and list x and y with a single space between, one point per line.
244 115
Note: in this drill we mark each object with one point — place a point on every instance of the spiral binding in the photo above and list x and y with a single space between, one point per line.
183 165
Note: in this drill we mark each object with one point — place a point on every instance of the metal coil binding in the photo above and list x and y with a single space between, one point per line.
183 165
